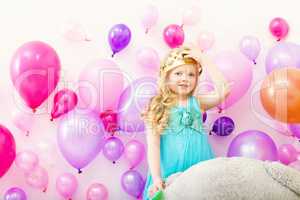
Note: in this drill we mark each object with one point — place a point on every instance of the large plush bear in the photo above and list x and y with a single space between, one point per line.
235 178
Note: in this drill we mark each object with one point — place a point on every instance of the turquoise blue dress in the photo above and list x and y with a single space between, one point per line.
183 143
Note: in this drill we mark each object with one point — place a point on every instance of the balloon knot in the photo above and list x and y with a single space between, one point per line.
79 171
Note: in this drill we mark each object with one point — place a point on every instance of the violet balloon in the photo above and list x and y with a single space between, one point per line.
250 47
295 129
119 37
35 71
279 28
113 149
134 153
133 101
64 101
285 54
253 144
223 126
79 129
15 193
97 191
173 35
287 154
132 182
66 185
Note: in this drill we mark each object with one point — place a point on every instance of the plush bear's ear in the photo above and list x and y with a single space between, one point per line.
286 176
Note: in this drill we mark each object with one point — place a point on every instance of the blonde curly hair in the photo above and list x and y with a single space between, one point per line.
156 115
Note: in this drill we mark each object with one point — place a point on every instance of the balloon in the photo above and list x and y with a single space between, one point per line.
253 144
64 101
110 121
97 191
223 126
134 153
282 55
74 32
287 154
26 161
238 71
132 183
66 185
37 178
280 95
250 47
7 150
205 40
113 149
279 28
15 193
76 130
149 17
148 59
133 100
23 121
295 129
295 165
190 16
35 72
173 35
204 116
95 91
119 37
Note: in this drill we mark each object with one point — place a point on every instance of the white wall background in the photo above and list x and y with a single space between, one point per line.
23 21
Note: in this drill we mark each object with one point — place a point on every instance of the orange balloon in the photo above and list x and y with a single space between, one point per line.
280 95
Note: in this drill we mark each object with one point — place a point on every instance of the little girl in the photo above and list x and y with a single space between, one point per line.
175 138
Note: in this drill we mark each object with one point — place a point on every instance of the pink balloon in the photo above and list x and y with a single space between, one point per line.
149 17
64 101
295 129
26 161
97 191
95 86
35 72
66 185
37 178
295 165
279 28
191 16
134 153
250 47
74 32
205 40
287 154
23 120
238 71
173 35
148 59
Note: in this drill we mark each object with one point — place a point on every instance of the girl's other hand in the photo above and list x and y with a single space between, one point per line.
158 184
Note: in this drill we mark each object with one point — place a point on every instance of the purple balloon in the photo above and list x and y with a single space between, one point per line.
132 182
113 149
80 137
15 193
295 129
250 47
133 101
119 37
253 144
223 126
284 54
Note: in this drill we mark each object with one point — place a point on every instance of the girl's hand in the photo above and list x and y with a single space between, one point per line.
158 184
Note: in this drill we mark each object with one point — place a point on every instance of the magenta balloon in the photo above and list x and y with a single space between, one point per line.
238 71
35 72
253 144
287 154
284 54
133 101
80 137
113 149
295 129
279 28
173 35
132 182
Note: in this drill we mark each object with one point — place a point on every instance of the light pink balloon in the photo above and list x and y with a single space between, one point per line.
287 154
23 120
250 47
238 71
66 185
74 32
26 161
149 17
134 153
37 178
100 86
191 16
205 40
148 59
295 165
97 191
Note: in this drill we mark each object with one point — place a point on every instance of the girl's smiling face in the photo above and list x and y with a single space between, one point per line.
183 79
